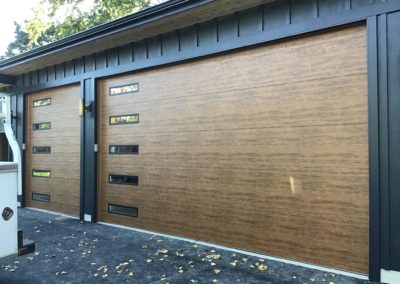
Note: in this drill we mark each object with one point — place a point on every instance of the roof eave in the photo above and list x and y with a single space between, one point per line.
127 22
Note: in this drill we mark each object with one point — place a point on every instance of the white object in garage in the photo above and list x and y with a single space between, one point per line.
10 186
6 120
8 209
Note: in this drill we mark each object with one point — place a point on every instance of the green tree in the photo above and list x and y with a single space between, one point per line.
56 19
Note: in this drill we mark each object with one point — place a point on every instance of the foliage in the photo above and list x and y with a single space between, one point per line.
56 19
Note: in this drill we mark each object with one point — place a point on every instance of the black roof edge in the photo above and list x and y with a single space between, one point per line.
144 16
8 79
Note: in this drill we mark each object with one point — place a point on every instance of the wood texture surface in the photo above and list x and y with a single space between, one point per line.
64 140
264 149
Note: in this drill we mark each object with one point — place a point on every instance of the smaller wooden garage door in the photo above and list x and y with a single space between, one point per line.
53 150
264 149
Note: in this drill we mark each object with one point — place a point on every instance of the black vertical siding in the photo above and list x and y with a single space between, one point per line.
154 46
383 141
269 17
51 73
101 60
89 63
112 58
207 34
301 10
227 28
125 54
78 66
276 15
393 80
170 43
140 50
188 39
251 21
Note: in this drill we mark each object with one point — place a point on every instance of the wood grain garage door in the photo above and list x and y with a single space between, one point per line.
53 150
264 149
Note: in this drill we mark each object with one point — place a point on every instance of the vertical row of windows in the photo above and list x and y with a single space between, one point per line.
41 150
115 149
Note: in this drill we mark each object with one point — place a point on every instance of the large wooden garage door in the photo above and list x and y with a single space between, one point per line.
264 149
53 150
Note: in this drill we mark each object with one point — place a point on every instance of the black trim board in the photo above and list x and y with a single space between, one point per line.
393 84
88 155
373 144
384 141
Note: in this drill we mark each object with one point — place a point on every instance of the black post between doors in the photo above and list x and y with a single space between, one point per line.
88 154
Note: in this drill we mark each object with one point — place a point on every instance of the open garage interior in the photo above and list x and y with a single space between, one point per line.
246 149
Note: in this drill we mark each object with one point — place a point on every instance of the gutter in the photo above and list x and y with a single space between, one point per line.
134 20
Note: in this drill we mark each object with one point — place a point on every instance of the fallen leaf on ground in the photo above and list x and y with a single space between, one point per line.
262 267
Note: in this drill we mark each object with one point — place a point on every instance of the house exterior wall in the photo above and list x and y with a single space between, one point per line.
265 23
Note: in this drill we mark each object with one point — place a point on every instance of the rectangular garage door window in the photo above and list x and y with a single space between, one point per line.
41 149
123 179
41 197
42 102
124 119
124 149
125 89
42 126
41 173
123 210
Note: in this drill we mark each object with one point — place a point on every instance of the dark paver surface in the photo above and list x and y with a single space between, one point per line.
68 251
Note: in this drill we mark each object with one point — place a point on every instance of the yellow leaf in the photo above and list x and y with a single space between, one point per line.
262 267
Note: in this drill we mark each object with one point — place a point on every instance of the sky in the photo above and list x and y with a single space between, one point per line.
13 10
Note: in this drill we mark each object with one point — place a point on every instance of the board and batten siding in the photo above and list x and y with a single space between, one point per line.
262 21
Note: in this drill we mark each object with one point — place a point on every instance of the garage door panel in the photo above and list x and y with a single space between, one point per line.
172 206
55 132
54 185
294 61
207 182
281 106
56 206
264 149
70 143
57 171
333 148
57 119
285 92
55 151
63 186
